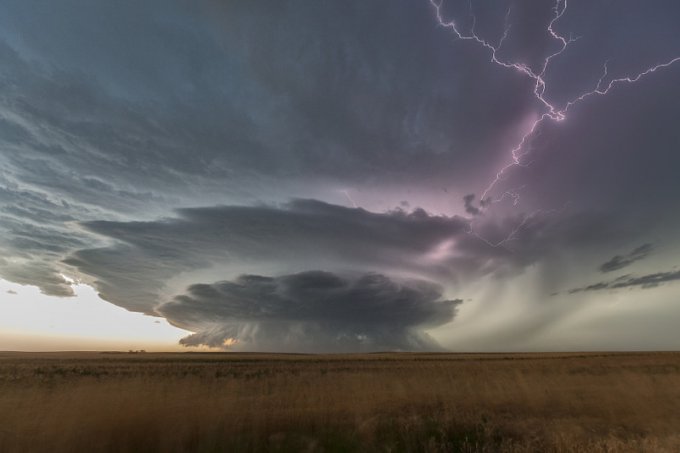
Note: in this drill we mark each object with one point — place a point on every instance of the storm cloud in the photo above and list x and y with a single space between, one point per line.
147 148
145 258
312 311
298 234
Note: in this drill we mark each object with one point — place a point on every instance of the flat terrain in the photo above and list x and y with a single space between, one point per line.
92 402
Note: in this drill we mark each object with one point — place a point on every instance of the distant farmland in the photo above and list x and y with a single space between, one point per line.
96 402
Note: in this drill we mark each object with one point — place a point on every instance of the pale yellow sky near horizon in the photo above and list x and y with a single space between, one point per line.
32 321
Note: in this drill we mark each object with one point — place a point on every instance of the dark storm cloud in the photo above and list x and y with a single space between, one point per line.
470 208
132 104
629 281
307 234
619 262
312 311
187 105
396 116
147 254
36 232
192 104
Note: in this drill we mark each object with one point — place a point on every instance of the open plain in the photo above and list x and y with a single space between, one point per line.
210 402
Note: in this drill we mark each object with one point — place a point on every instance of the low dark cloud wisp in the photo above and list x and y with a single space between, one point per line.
630 281
619 262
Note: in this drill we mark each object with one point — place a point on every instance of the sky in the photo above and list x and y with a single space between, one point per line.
351 176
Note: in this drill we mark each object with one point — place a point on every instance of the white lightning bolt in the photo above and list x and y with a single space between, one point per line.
552 112
351 200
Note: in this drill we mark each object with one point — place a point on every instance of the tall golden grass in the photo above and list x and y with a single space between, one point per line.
95 402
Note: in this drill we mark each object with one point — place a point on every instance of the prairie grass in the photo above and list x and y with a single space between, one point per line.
98 402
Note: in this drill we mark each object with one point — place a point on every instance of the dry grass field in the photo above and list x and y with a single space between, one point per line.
96 402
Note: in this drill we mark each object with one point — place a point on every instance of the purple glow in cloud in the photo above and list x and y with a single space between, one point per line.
552 112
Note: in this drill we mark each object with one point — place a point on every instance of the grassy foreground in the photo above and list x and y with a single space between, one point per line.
93 402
